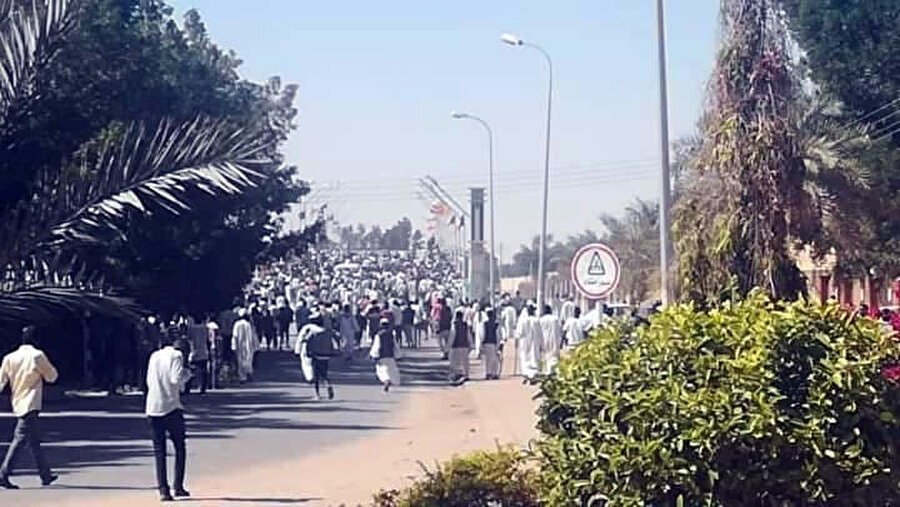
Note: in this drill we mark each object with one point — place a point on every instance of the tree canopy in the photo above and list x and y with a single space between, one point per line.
849 50
135 155
128 60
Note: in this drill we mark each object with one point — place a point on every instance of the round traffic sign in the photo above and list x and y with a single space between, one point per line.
596 270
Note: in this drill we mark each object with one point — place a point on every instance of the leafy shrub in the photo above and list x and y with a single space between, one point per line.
754 403
496 478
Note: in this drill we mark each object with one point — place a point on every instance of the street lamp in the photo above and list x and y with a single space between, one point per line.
513 40
490 133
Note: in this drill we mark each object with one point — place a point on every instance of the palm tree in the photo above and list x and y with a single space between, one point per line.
635 238
750 162
137 168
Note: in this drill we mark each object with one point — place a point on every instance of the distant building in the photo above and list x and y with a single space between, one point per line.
825 283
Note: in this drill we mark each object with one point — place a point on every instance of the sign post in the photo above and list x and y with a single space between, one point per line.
596 271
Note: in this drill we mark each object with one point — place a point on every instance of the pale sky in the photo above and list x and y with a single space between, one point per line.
378 80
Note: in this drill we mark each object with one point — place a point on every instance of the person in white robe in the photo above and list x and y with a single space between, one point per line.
529 337
551 332
382 352
477 326
244 344
508 322
460 346
306 363
566 310
508 332
574 329
490 349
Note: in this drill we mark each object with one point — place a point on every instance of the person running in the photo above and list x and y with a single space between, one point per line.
459 349
166 377
313 325
320 348
383 353
489 346
26 370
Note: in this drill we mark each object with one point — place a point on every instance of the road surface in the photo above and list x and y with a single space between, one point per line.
270 442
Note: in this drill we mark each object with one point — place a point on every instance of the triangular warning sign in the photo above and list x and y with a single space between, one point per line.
596 267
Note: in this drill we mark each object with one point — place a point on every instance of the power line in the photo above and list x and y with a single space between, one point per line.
504 183
517 174
405 192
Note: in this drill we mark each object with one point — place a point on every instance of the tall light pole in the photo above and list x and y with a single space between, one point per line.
513 40
490 133
665 247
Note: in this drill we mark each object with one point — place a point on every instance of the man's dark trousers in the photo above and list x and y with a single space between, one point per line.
171 424
27 432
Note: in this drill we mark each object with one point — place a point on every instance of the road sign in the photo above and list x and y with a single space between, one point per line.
596 270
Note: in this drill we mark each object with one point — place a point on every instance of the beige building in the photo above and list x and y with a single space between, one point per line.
824 283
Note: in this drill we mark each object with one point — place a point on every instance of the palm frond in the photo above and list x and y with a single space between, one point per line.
139 170
42 304
39 287
27 30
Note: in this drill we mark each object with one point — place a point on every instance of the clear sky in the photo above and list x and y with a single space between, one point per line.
378 80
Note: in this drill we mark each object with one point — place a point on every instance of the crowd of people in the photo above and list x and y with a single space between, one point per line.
329 305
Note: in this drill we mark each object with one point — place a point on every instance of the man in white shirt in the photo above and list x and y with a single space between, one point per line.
26 370
166 377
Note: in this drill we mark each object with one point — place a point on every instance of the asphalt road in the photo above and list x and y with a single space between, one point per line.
101 446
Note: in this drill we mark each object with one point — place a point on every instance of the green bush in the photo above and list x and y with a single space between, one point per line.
754 403
497 478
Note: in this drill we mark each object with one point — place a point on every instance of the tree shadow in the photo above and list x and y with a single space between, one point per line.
257 501
113 431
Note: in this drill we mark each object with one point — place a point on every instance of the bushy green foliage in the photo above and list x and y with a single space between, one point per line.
484 478
753 403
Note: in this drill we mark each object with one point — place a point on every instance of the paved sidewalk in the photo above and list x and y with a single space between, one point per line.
271 444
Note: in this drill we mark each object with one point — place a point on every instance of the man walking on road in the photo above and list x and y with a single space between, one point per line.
444 323
198 336
26 370
244 344
166 377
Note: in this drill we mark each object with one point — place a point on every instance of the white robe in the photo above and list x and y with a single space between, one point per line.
386 369
551 331
530 344
245 345
306 364
567 311
575 331
478 319
508 323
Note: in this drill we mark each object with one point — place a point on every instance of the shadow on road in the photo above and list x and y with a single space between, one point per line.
255 501
113 431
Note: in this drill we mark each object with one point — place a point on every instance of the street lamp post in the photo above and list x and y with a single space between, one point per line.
490 133
665 248
513 40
